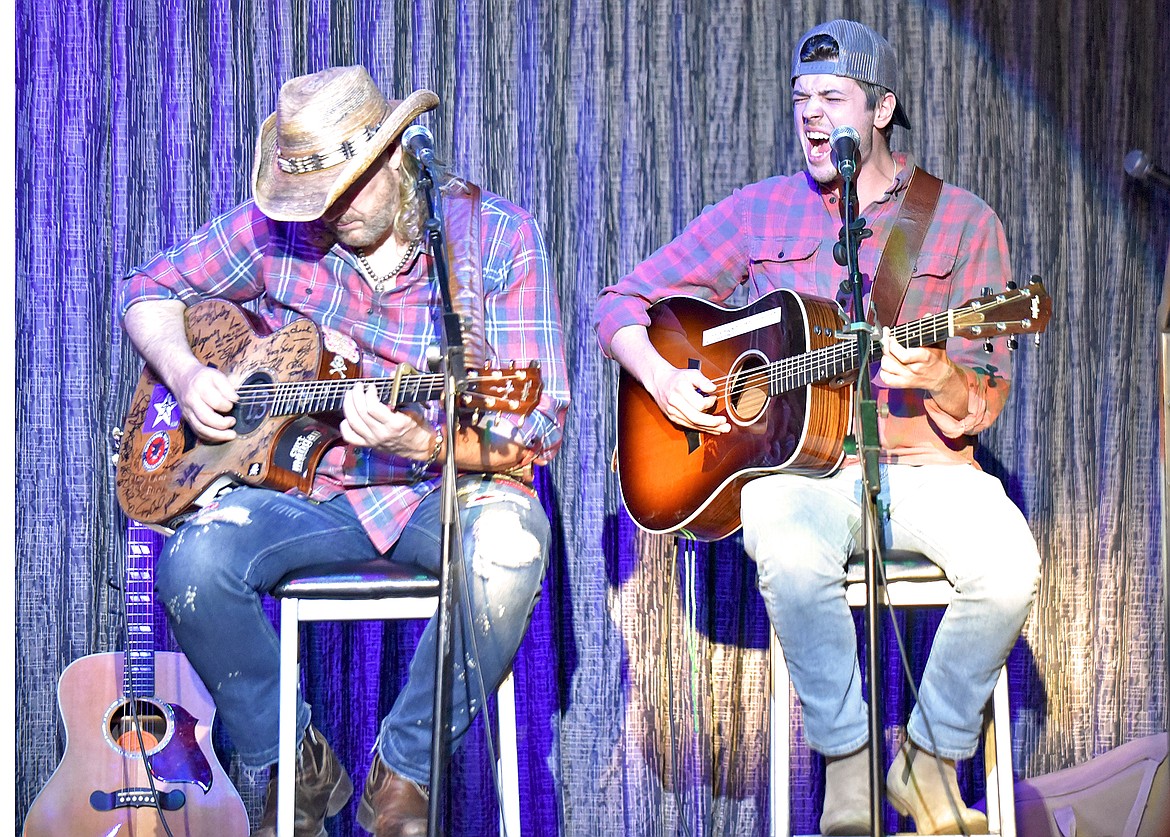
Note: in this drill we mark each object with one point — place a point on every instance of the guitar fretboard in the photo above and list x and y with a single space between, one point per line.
293 398
138 678
844 357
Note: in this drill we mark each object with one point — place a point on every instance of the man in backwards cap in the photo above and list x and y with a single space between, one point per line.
779 233
333 234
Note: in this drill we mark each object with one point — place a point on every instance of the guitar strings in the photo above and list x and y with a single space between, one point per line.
824 361
317 391
427 380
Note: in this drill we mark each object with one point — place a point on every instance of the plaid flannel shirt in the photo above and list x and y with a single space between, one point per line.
297 270
780 232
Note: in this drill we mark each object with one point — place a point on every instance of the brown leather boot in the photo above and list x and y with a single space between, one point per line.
322 789
392 805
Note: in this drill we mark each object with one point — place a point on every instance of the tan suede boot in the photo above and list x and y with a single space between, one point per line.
392 805
846 809
322 789
916 789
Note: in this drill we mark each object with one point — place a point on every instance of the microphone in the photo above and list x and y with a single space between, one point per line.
419 144
844 142
1139 166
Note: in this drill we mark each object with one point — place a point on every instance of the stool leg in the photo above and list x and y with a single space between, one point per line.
780 742
289 675
1005 776
509 763
991 770
997 762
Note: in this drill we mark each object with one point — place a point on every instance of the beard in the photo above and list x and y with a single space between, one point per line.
354 229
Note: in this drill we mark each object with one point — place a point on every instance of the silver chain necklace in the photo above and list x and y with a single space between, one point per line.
380 281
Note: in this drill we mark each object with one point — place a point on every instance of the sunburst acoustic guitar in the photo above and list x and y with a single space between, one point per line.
781 369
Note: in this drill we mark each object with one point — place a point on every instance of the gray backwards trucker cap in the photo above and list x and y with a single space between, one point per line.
862 55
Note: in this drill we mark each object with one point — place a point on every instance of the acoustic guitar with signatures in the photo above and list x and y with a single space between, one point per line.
123 712
782 368
291 385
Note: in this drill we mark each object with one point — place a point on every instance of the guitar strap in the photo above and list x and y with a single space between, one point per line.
464 259
897 262
465 270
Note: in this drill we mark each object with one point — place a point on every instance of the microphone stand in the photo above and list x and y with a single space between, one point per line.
865 434
453 376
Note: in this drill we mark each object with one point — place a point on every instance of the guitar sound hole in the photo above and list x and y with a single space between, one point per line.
150 718
255 402
747 390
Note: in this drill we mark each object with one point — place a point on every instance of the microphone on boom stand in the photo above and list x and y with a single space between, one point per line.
844 142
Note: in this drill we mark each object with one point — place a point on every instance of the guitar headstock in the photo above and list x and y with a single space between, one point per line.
1012 311
511 389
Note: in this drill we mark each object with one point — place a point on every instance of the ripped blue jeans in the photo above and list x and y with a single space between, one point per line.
213 573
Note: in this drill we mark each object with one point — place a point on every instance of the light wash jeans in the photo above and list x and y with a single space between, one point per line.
213 573
800 532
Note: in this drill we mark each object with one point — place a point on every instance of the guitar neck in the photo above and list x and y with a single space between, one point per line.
138 677
845 356
295 398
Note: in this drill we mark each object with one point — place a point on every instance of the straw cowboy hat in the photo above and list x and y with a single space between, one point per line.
327 129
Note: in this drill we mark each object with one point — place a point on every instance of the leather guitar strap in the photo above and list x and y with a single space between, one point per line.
897 262
465 271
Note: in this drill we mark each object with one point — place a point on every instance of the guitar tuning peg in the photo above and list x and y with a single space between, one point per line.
1011 286
987 347
1013 343
986 291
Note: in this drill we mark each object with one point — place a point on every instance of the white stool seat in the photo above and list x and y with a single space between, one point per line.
372 590
912 581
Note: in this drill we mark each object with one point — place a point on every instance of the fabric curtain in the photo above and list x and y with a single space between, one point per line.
642 685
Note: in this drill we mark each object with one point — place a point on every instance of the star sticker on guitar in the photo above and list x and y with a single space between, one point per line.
164 411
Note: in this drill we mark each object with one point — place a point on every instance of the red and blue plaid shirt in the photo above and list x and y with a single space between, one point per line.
780 232
297 270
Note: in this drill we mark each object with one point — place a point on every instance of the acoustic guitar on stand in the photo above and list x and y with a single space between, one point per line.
782 370
137 738
292 383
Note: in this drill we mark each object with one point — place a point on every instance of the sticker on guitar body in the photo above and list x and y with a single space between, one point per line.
154 452
164 411
294 448
742 326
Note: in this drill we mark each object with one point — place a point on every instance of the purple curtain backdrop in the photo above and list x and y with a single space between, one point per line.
642 684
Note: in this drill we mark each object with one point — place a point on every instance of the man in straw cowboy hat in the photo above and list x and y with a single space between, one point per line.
781 233
333 234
